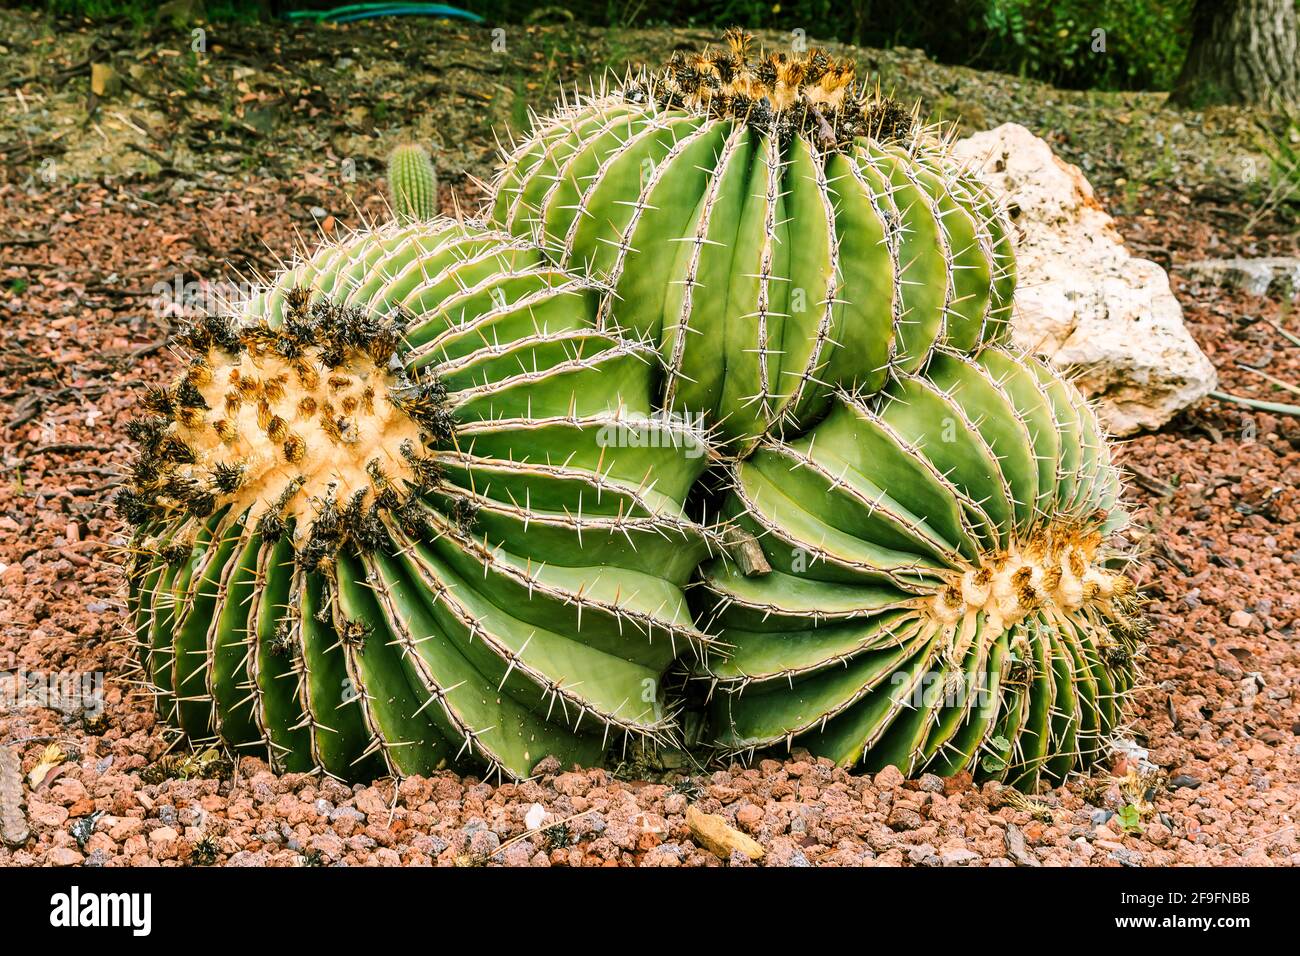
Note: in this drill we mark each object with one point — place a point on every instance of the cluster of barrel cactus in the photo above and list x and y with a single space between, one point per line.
456 493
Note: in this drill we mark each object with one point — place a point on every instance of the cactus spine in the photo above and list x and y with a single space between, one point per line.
779 229
412 184
942 597
412 511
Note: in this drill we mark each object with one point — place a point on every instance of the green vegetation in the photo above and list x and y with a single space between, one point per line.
144 12
1141 46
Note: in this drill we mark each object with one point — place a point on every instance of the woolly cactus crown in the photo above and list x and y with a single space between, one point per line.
811 94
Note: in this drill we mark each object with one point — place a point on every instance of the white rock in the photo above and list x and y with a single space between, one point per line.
1082 301
1277 276
535 816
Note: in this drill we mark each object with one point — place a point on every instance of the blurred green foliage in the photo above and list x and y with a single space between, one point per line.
1085 44
145 12
1082 44
1283 151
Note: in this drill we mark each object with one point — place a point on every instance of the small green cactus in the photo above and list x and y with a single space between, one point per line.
412 184
412 510
779 229
943 596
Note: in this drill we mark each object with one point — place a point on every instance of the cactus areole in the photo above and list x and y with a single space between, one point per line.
410 511
779 229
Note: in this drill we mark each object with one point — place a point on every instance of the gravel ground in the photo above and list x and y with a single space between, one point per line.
1216 506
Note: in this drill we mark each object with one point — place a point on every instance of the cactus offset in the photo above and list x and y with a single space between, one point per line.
412 184
943 597
410 511
779 229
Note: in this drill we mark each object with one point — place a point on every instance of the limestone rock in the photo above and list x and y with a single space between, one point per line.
1083 301
1277 276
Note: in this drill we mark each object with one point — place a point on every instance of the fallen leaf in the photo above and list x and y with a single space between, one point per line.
51 757
103 79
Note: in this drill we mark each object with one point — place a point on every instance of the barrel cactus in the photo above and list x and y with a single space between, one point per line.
412 183
942 596
777 227
411 510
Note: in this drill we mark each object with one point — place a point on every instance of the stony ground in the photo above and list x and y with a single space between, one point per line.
1215 495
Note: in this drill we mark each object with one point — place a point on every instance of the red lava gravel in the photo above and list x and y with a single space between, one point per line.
1216 504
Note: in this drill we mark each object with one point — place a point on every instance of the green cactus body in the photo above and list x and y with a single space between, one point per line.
412 184
777 230
942 595
413 510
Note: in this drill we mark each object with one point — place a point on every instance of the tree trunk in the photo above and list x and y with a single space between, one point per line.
1243 53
